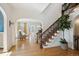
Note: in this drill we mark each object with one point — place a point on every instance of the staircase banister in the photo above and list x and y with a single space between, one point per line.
50 26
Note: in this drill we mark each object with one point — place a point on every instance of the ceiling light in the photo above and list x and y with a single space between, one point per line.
58 31
55 34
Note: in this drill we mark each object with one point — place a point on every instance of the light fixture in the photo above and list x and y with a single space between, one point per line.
58 31
46 43
52 36
10 23
77 21
50 40
55 34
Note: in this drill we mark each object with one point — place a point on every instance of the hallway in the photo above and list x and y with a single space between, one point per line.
24 48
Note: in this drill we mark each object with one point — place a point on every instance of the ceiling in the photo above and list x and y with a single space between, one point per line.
37 11
28 10
39 7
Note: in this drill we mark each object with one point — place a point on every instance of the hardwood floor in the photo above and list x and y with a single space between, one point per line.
24 48
1 50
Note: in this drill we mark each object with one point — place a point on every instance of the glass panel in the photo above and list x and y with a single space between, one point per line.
1 22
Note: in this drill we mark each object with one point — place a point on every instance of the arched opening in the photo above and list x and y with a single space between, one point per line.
76 33
28 28
3 29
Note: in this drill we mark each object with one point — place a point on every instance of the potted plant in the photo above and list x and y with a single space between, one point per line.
64 23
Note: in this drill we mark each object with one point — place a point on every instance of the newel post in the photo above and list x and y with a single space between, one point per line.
41 46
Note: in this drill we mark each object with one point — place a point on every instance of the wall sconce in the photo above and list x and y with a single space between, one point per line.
10 23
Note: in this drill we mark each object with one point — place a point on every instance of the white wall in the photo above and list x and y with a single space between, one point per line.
50 15
1 39
8 34
69 34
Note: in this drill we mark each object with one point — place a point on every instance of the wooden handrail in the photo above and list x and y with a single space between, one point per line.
50 26
70 5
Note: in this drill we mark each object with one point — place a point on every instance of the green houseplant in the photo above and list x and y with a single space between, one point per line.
64 23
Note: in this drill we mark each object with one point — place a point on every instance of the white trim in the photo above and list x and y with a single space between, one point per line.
27 19
5 31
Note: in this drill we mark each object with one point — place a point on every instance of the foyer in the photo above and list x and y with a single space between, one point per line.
39 29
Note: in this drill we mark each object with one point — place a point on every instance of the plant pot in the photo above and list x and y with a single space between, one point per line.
64 46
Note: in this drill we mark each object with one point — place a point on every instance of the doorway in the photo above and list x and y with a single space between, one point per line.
76 34
29 28
3 31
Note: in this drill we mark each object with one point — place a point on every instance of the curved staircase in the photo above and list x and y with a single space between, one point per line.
51 37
